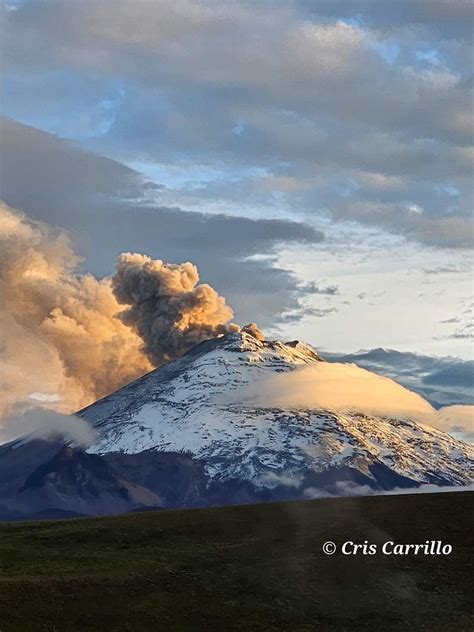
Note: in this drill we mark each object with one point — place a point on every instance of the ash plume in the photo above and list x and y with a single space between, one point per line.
65 337
254 331
59 334
168 309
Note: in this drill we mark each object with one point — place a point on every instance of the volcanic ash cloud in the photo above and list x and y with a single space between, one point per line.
168 309
59 334
67 338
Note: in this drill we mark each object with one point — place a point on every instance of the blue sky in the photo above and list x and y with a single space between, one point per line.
345 134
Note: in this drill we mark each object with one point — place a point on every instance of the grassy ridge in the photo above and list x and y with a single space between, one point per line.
257 567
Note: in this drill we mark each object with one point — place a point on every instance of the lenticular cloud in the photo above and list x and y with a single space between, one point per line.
349 388
342 387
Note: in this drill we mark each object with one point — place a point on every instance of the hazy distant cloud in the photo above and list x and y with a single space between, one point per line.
454 373
465 326
316 288
348 488
443 270
109 208
465 333
354 113
305 312
448 18
57 182
444 232
47 424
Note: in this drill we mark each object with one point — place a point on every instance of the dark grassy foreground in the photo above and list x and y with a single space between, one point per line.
241 568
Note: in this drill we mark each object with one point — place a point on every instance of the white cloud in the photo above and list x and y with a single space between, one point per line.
47 424
352 489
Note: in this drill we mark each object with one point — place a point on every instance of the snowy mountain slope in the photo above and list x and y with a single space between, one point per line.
183 436
192 405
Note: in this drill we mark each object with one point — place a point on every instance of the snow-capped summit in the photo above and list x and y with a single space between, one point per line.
193 405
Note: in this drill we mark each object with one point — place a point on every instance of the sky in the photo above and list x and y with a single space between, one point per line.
313 159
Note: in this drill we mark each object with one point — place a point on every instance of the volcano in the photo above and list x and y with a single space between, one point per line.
182 436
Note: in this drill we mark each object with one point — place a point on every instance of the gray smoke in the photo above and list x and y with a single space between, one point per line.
168 309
